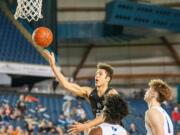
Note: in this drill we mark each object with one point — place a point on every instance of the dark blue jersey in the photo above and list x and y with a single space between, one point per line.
97 102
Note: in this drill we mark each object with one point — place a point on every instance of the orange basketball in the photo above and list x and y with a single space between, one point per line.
42 36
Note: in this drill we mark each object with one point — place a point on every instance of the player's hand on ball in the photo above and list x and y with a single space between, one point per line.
49 56
76 128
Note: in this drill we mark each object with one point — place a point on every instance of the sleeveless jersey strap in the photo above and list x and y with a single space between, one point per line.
92 92
109 89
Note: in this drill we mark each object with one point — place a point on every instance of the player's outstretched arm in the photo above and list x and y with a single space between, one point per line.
72 87
78 127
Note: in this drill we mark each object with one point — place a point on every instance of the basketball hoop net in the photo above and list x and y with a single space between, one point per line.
28 9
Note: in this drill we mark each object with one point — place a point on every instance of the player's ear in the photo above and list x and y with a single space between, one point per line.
108 78
156 95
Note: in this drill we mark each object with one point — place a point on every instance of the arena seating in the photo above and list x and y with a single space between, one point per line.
14 46
54 104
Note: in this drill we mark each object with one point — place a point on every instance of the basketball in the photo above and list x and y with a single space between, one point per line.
42 36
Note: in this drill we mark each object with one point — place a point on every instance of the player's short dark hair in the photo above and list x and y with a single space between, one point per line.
108 68
115 108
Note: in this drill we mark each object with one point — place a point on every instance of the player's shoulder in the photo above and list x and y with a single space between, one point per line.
123 130
153 112
113 91
95 131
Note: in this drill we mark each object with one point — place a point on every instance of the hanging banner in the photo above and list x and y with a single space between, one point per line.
26 69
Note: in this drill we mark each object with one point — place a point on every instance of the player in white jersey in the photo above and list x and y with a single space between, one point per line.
157 121
115 109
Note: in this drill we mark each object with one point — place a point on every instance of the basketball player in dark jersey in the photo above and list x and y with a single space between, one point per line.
95 96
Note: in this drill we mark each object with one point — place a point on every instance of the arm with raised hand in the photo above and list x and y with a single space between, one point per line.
72 87
78 127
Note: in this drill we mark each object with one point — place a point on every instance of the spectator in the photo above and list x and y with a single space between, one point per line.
67 108
19 131
167 106
133 130
3 130
42 127
30 127
10 130
175 115
21 106
16 114
81 114
62 122
7 112
1 114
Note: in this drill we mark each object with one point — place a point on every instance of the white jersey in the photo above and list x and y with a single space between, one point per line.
168 126
111 129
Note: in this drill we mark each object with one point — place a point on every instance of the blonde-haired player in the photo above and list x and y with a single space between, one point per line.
157 121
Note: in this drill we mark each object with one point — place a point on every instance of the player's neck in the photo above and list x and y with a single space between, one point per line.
153 103
102 89
110 121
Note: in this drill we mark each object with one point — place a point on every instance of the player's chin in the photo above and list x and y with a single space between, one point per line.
97 84
145 98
